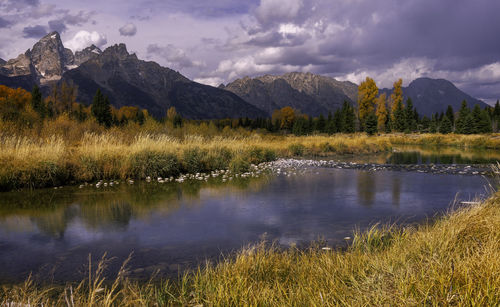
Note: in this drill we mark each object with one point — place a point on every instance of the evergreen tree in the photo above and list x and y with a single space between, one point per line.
445 126
450 114
496 116
410 124
371 124
321 124
101 109
399 120
348 118
37 102
468 125
460 124
433 125
330 124
425 124
482 120
337 119
299 126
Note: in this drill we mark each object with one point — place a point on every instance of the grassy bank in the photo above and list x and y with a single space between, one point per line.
486 141
452 261
35 162
53 161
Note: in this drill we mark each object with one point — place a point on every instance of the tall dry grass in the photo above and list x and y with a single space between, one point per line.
52 161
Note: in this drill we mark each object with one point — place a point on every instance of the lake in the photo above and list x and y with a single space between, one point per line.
174 226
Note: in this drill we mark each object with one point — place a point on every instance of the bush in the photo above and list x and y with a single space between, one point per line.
194 160
297 149
218 158
239 165
154 164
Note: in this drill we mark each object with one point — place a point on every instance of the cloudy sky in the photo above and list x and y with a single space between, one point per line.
221 40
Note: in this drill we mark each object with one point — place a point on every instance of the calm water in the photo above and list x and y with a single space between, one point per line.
174 226
429 154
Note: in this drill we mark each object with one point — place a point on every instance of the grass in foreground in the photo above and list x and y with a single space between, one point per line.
453 261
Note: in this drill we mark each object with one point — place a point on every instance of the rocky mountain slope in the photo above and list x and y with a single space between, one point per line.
124 78
130 81
434 95
311 94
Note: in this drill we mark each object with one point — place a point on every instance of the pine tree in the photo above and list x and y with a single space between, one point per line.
468 125
330 124
482 121
445 126
101 109
371 124
321 124
496 116
410 124
348 118
450 114
460 124
36 101
433 125
425 124
299 126
367 95
399 119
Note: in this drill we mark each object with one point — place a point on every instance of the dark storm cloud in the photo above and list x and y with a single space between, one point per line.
57 25
18 4
215 8
37 31
4 23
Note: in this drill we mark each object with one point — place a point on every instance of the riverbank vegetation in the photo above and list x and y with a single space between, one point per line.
55 141
454 260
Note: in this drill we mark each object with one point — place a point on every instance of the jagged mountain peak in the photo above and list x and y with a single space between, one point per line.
2 61
118 51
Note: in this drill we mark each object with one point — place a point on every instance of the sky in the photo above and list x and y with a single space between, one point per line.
218 41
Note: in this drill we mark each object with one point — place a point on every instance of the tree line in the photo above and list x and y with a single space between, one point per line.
375 113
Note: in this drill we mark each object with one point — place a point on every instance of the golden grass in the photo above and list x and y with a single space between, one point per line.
491 141
54 161
454 261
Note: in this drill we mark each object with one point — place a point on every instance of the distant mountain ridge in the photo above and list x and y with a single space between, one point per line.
434 95
312 94
124 78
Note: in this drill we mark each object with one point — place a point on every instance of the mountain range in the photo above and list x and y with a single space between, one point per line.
127 80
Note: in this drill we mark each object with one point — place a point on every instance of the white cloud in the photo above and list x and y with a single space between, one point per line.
128 30
83 39
213 81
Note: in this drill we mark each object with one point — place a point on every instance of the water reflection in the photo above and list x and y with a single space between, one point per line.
172 226
429 154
